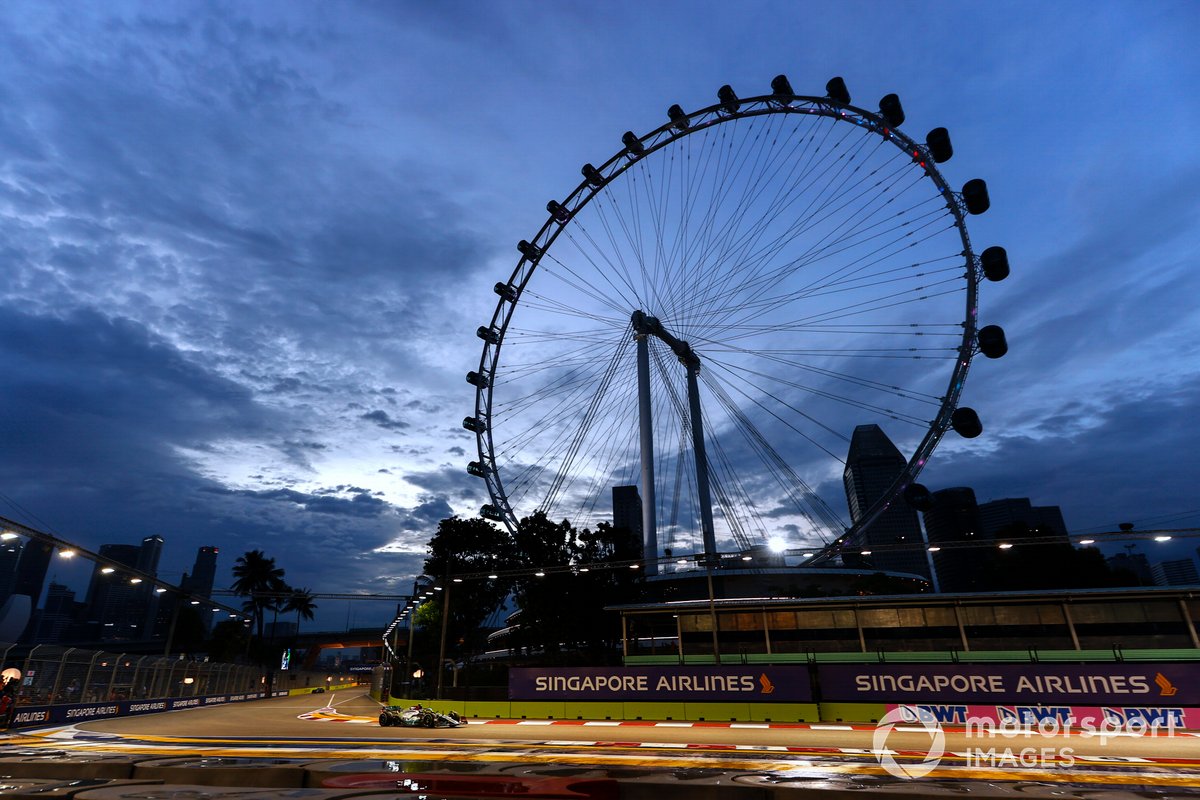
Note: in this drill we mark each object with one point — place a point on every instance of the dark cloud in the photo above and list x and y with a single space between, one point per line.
450 481
383 420
1130 453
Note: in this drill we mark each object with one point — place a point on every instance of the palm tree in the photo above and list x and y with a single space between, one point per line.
300 601
259 580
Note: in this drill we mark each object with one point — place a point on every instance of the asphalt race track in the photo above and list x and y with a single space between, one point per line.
345 733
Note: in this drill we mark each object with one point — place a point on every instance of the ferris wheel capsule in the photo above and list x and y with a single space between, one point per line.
836 91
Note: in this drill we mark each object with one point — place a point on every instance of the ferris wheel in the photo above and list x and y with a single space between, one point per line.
710 313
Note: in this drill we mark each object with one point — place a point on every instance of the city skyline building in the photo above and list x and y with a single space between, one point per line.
109 600
1012 512
953 519
1176 572
58 614
872 466
10 556
627 509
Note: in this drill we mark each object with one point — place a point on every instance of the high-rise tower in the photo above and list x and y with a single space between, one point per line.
953 521
894 537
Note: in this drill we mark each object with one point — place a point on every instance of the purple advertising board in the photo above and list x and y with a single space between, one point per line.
26 716
671 684
1069 684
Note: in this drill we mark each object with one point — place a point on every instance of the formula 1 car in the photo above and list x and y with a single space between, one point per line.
419 717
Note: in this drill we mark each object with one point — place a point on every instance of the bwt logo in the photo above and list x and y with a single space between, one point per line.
1144 717
933 714
1032 715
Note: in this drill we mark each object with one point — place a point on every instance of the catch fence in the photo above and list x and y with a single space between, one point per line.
54 675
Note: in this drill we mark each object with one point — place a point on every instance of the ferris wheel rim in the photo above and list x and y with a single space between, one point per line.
638 149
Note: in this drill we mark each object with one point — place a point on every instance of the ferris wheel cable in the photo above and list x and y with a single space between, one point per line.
658 239
885 353
804 414
713 265
770 279
852 402
809 216
601 461
579 226
681 413
902 392
855 309
844 274
779 302
766 279
809 499
716 200
747 257
862 330
740 510
814 256
728 508
540 430
562 308
581 433
599 203
587 288
529 335
576 365
774 300
906 394
551 453
570 381
752 189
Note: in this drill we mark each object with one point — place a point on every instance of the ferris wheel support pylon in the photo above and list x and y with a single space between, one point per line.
646 433
644 327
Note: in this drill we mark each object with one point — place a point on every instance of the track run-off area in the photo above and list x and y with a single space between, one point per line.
344 726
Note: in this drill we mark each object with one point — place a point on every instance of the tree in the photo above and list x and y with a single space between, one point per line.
465 547
260 581
300 601
564 609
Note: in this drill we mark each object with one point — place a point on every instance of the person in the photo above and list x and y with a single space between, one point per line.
8 701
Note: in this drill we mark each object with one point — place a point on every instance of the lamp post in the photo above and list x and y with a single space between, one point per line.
442 648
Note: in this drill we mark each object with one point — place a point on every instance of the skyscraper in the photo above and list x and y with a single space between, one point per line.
894 538
57 616
145 596
10 555
112 608
200 581
952 524
1013 512
627 509
1179 572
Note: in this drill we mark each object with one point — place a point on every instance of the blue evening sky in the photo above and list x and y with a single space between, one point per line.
244 247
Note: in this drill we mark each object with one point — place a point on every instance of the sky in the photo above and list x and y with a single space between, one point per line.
244 247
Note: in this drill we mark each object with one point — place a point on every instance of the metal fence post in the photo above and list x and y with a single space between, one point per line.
62 667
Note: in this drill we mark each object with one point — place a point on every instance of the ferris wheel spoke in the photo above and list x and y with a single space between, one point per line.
851 378
736 270
820 515
881 255
816 255
845 400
